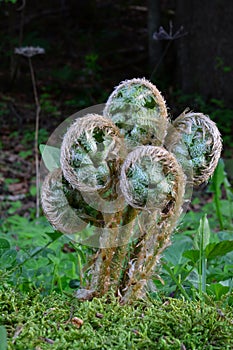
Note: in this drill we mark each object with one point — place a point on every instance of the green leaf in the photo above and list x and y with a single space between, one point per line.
218 177
192 254
54 235
218 249
8 258
3 338
218 290
202 237
50 156
14 206
55 260
4 245
32 190
174 253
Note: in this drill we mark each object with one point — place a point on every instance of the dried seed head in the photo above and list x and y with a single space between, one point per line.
137 107
29 51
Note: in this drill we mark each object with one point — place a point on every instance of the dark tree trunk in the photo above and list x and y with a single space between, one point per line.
205 55
153 25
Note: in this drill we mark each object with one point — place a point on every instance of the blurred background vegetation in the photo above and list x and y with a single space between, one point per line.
91 45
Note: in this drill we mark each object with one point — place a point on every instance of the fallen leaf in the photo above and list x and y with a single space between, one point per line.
17 188
77 322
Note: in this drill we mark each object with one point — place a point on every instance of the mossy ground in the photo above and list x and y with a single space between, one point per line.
36 322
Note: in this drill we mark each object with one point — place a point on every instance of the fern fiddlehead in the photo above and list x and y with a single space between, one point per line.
90 148
201 142
127 174
163 208
139 110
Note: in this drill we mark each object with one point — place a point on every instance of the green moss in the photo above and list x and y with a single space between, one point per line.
36 322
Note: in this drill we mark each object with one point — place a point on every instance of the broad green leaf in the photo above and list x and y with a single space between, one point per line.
4 245
218 177
54 235
8 258
224 235
55 260
173 254
219 275
217 181
193 255
33 264
3 338
229 167
226 208
32 190
217 290
218 249
50 156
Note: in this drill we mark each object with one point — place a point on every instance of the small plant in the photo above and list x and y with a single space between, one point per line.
198 265
168 36
47 105
29 52
33 256
127 176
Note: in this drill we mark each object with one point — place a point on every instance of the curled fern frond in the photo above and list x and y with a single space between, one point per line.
128 175
91 148
201 142
149 178
56 205
158 223
139 110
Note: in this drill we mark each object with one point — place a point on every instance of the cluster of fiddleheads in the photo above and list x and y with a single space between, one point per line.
127 175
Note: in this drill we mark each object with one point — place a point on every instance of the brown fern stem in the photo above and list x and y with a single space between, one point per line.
38 108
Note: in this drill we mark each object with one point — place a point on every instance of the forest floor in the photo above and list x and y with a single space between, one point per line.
61 322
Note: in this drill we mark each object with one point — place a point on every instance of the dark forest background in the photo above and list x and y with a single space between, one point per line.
92 45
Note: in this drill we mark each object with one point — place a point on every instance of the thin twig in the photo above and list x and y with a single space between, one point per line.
38 108
160 60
